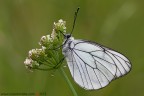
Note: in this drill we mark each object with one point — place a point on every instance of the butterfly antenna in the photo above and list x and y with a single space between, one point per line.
75 16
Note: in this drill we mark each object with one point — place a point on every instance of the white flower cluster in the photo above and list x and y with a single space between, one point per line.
60 26
34 56
38 57
30 64
45 40
36 53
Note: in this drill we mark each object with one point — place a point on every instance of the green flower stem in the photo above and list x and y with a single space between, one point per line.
68 81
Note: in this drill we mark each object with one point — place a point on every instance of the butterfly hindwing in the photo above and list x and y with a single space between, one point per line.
94 66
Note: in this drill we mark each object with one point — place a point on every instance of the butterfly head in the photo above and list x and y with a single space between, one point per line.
67 42
68 37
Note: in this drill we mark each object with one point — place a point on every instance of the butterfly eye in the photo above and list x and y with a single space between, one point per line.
68 36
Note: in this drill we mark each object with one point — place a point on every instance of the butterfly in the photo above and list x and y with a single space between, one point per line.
93 66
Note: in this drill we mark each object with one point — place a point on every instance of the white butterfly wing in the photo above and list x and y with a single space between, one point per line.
93 66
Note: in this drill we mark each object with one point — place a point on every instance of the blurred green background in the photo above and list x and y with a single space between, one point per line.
118 24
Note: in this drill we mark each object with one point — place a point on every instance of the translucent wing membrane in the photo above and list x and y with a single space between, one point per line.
93 66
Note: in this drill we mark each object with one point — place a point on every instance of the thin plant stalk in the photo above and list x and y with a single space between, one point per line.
68 81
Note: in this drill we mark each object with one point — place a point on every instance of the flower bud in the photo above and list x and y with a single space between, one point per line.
45 40
36 54
30 64
60 26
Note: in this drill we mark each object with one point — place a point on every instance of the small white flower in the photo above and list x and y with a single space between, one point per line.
36 53
60 21
43 37
53 34
28 63
31 52
45 40
54 23
43 48
60 26
49 38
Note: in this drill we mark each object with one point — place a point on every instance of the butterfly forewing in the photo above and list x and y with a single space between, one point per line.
94 66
